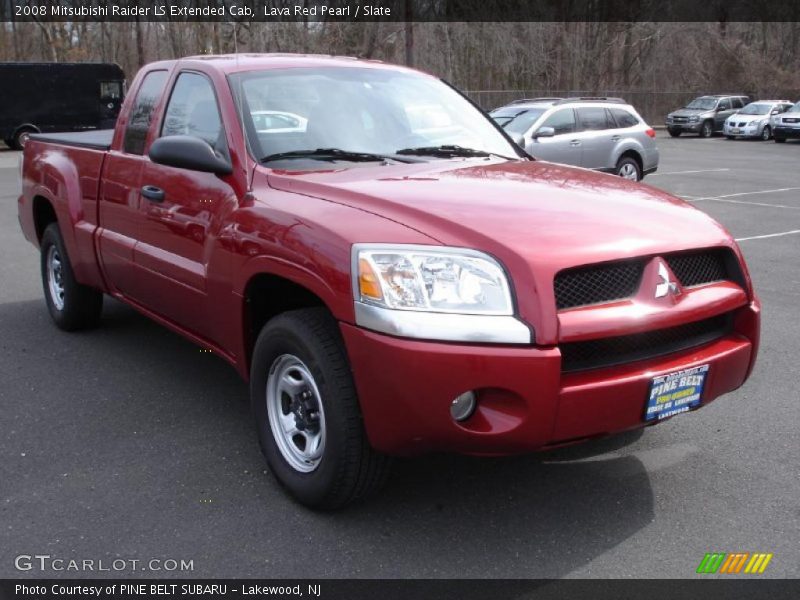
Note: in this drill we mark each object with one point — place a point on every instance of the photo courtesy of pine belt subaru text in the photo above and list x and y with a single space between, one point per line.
388 270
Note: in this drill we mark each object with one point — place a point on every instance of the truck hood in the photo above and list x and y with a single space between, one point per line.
535 217
689 112
547 213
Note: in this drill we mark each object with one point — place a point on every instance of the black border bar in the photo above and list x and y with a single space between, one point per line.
244 11
729 587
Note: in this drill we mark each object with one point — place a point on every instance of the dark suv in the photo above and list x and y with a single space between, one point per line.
704 115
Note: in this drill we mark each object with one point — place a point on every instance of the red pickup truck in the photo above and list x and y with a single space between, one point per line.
391 273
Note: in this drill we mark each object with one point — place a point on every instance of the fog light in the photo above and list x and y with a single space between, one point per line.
463 406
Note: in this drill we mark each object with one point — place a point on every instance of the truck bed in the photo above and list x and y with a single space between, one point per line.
96 139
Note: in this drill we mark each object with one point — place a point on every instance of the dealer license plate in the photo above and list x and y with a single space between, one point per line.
736 130
675 393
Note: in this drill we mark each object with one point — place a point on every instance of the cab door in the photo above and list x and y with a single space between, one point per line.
120 200
181 214
563 147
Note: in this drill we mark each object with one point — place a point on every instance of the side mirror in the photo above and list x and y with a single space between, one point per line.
545 132
775 111
188 152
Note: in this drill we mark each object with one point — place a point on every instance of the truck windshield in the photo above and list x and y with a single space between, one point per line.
290 113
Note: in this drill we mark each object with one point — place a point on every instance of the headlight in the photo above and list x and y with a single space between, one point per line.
694 119
436 293
433 280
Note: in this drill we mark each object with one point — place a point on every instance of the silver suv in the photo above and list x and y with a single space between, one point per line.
605 134
787 125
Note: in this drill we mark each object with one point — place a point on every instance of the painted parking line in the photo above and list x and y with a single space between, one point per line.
729 198
688 172
769 235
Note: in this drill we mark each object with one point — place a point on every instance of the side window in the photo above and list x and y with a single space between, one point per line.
562 121
724 104
592 119
192 110
736 102
142 111
623 118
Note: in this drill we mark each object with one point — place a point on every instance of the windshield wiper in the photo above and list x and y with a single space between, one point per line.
330 154
448 151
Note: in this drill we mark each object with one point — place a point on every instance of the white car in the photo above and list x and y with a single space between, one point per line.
755 119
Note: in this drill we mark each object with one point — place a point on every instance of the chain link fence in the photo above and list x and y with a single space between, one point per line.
653 106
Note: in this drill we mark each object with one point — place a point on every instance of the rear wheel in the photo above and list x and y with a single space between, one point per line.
707 130
307 413
674 132
72 306
766 133
628 168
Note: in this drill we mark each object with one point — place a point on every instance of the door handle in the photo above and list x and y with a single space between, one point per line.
616 138
575 143
153 193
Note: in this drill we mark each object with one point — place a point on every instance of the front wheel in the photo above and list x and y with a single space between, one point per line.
72 305
307 413
707 130
674 132
779 140
21 138
628 168
766 133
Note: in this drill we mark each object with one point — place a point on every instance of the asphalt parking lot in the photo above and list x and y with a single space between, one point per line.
127 442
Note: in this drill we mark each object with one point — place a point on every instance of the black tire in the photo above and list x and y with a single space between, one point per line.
349 468
9 142
730 137
81 305
674 132
629 165
21 137
766 133
707 129
779 140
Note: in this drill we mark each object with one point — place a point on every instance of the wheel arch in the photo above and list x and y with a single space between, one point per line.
266 294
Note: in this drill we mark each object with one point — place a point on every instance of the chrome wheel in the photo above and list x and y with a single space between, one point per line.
766 133
295 413
628 171
22 138
55 277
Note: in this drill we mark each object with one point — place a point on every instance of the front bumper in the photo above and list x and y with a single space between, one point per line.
525 402
747 131
782 131
685 126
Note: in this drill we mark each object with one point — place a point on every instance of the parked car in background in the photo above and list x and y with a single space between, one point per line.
704 115
48 97
787 125
753 121
605 134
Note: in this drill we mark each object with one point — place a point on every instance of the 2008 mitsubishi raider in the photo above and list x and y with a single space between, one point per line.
387 269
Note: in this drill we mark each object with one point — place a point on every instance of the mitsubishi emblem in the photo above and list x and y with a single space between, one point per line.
666 286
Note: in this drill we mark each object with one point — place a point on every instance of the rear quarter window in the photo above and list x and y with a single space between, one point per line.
142 111
623 118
